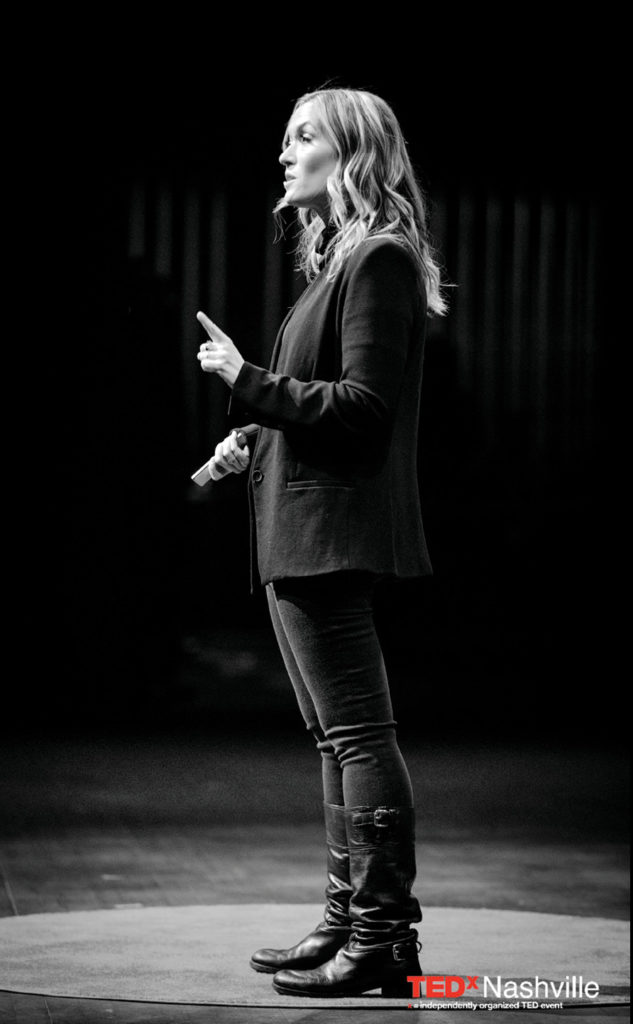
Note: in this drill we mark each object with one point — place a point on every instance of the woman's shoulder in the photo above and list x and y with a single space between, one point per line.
381 250
383 269
383 264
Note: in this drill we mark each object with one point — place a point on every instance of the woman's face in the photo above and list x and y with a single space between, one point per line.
309 159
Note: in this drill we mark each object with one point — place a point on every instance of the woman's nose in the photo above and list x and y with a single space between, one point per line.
285 157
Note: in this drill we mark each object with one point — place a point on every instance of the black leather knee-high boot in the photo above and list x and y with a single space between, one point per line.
333 932
382 950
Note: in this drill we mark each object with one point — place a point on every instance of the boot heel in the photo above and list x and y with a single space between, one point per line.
397 988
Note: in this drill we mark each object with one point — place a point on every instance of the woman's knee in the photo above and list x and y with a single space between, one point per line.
362 742
324 745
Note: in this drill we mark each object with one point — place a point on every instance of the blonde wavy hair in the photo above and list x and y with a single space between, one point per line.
373 190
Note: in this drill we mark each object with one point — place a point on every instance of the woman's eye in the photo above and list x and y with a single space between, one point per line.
301 137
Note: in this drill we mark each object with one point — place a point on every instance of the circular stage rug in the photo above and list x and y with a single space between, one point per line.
200 954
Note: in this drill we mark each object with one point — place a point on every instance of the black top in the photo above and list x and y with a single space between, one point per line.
333 478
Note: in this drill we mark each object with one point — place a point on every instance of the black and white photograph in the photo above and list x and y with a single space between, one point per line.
314 706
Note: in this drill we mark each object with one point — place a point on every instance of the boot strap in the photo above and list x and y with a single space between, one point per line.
401 951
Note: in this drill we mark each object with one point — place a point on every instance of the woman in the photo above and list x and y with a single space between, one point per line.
335 504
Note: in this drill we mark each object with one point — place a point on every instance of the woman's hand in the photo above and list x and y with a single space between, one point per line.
229 457
219 354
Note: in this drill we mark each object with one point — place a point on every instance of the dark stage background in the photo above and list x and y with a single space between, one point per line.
161 187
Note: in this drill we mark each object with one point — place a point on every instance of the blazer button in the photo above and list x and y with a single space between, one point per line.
258 476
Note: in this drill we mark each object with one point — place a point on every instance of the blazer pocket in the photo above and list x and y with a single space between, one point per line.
296 485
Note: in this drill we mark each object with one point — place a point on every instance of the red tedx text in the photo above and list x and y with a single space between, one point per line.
440 986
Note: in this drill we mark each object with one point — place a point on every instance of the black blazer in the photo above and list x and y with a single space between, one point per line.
333 480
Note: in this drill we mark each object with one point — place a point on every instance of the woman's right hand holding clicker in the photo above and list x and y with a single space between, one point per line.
229 457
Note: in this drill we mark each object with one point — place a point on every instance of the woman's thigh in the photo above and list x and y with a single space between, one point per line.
331 644
304 700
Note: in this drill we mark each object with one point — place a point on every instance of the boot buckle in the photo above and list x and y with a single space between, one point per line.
382 817
399 952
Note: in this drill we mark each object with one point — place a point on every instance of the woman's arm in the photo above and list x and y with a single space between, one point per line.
380 299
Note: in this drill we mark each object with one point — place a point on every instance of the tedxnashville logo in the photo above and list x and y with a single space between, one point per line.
527 992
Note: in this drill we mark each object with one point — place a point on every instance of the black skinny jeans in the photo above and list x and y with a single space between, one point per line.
327 637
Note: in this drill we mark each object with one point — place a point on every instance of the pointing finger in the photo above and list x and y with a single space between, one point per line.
208 325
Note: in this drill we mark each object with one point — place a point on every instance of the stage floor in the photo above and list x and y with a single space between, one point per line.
104 822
